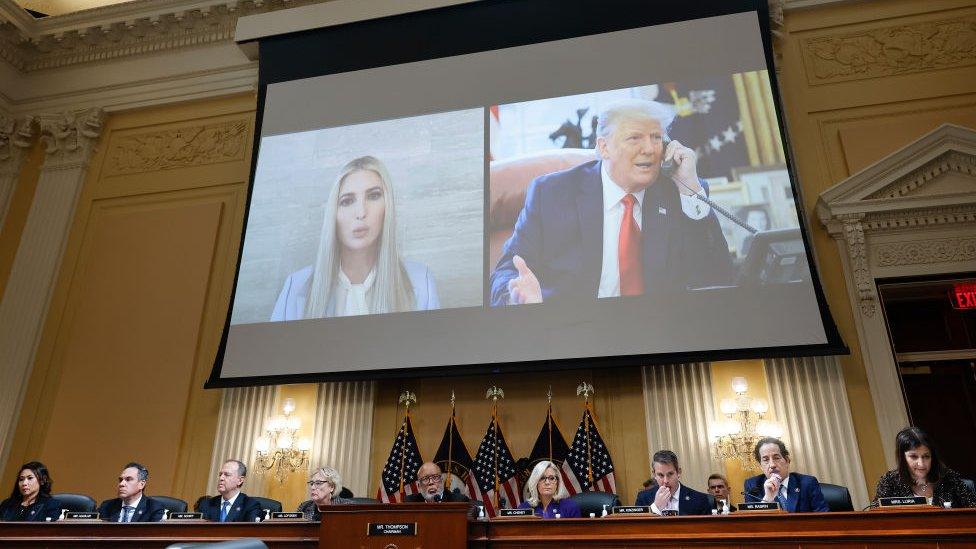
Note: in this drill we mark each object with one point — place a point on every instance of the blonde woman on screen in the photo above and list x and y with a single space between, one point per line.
358 269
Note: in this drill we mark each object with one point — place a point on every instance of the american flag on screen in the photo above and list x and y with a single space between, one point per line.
400 473
588 466
494 467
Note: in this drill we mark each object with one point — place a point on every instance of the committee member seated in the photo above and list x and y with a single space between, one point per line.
431 481
323 488
669 494
30 500
231 505
920 472
546 494
718 487
616 226
796 493
132 505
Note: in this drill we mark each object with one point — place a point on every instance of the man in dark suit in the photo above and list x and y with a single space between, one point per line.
669 494
718 488
616 226
795 493
231 505
132 505
431 481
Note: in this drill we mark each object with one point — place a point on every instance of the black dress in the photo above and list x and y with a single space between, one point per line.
39 511
951 488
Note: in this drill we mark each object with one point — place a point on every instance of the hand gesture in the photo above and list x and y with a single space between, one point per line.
525 287
662 498
771 486
685 173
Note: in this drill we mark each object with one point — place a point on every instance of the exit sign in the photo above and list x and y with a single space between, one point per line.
963 295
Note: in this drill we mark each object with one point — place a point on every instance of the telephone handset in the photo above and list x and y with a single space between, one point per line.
667 166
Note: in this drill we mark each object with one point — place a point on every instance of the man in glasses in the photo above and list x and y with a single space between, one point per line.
231 505
431 481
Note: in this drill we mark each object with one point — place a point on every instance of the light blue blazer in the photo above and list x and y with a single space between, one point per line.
291 301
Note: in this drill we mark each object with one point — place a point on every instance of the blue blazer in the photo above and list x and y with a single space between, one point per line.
559 234
803 493
245 509
690 502
148 510
566 507
291 300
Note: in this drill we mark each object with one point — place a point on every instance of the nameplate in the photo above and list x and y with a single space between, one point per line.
287 515
759 506
516 513
75 515
669 513
903 502
632 510
185 516
392 529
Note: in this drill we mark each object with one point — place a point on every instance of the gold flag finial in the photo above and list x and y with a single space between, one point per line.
494 393
584 389
549 395
407 397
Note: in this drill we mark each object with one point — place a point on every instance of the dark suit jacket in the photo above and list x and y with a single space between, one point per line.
148 510
449 496
559 233
45 507
245 509
690 502
803 493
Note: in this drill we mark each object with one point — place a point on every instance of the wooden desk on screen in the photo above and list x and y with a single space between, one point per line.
954 528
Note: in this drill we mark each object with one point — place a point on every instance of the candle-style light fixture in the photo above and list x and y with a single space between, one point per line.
281 450
745 424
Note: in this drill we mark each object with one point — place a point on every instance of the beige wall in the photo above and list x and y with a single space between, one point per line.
140 301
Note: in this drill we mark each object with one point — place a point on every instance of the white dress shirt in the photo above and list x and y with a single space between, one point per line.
353 299
672 503
613 214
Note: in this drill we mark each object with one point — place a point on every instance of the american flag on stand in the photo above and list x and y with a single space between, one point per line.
588 466
494 479
400 473
453 457
550 445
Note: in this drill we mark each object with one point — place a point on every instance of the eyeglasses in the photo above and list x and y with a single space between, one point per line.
429 479
549 478
316 483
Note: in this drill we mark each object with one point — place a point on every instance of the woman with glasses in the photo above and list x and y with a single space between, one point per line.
546 494
323 487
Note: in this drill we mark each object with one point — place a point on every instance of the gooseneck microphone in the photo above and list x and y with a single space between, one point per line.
437 498
754 495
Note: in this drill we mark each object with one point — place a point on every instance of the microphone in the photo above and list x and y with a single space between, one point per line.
872 505
753 494
437 498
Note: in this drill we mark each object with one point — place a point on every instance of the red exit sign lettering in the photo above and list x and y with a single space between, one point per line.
963 295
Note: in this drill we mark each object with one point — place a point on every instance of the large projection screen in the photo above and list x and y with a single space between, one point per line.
505 185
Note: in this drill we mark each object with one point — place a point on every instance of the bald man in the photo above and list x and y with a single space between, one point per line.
431 481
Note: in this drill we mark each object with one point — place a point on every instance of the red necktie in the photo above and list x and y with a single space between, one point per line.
629 251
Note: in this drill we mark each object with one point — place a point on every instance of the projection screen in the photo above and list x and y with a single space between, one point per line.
507 185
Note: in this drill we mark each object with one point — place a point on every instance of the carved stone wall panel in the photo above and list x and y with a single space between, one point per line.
178 148
924 252
891 50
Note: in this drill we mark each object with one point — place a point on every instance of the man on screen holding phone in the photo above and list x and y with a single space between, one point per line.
617 226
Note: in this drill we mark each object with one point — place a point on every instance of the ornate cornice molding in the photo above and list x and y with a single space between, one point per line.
126 30
923 252
178 148
947 162
890 50
70 137
15 138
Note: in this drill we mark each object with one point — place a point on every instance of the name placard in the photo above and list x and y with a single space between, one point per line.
903 502
669 513
287 515
759 506
186 516
76 515
391 529
516 513
632 510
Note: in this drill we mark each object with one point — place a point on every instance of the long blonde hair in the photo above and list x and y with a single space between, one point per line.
392 291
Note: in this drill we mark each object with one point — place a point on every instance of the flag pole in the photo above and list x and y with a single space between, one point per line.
450 444
549 421
406 397
494 393
586 389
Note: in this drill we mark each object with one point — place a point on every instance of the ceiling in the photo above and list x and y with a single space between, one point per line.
61 7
